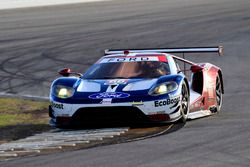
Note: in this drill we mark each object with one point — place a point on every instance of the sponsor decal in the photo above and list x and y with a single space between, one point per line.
160 103
129 59
106 101
109 95
135 103
116 82
57 105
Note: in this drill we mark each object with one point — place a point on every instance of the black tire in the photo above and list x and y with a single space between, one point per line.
218 92
184 103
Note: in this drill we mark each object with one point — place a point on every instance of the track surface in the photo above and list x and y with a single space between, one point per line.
35 43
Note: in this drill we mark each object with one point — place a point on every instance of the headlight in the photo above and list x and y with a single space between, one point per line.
163 88
63 91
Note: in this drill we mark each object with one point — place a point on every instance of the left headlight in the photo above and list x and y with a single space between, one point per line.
62 92
163 88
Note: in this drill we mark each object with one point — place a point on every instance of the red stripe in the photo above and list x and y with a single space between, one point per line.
162 58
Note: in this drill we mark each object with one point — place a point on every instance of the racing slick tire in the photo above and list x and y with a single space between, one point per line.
218 91
184 103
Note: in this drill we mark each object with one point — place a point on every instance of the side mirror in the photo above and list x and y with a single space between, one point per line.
65 72
196 68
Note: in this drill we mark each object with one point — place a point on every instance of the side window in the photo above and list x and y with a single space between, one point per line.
163 68
184 68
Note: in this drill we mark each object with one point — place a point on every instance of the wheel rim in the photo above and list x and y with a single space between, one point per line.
184 103
218 92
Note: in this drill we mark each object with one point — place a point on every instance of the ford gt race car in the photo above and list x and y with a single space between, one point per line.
135 86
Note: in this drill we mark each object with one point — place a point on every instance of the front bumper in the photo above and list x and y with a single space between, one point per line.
135 112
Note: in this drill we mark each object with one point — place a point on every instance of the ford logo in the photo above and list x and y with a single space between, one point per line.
109 95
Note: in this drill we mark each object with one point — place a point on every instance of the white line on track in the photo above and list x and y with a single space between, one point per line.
32 97
13 4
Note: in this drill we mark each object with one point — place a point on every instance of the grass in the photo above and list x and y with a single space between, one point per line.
20 118
11 105
14 119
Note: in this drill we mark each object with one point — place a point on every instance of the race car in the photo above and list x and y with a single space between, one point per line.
145 85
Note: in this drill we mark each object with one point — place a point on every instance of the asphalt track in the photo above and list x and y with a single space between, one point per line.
35 43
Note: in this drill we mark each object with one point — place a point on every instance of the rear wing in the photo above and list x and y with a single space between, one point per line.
216 49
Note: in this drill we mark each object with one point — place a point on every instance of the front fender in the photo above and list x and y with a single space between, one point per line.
63 81
66 81
179 79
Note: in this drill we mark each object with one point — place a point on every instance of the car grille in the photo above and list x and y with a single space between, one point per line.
109 114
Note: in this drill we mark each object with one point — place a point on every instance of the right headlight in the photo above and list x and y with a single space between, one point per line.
63 92
163 88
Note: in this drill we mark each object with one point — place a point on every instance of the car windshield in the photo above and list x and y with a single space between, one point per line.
142 69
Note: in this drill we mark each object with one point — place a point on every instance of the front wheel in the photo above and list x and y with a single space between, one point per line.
184 103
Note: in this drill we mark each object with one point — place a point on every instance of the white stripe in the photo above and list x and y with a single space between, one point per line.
109 89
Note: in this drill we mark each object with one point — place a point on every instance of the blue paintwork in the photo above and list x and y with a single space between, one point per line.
177 78
66 81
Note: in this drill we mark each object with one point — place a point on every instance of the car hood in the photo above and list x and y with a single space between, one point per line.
89 91
115 85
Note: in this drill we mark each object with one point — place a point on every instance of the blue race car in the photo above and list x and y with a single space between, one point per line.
134 86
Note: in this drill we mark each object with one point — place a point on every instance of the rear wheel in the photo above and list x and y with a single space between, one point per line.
218 92
184 103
